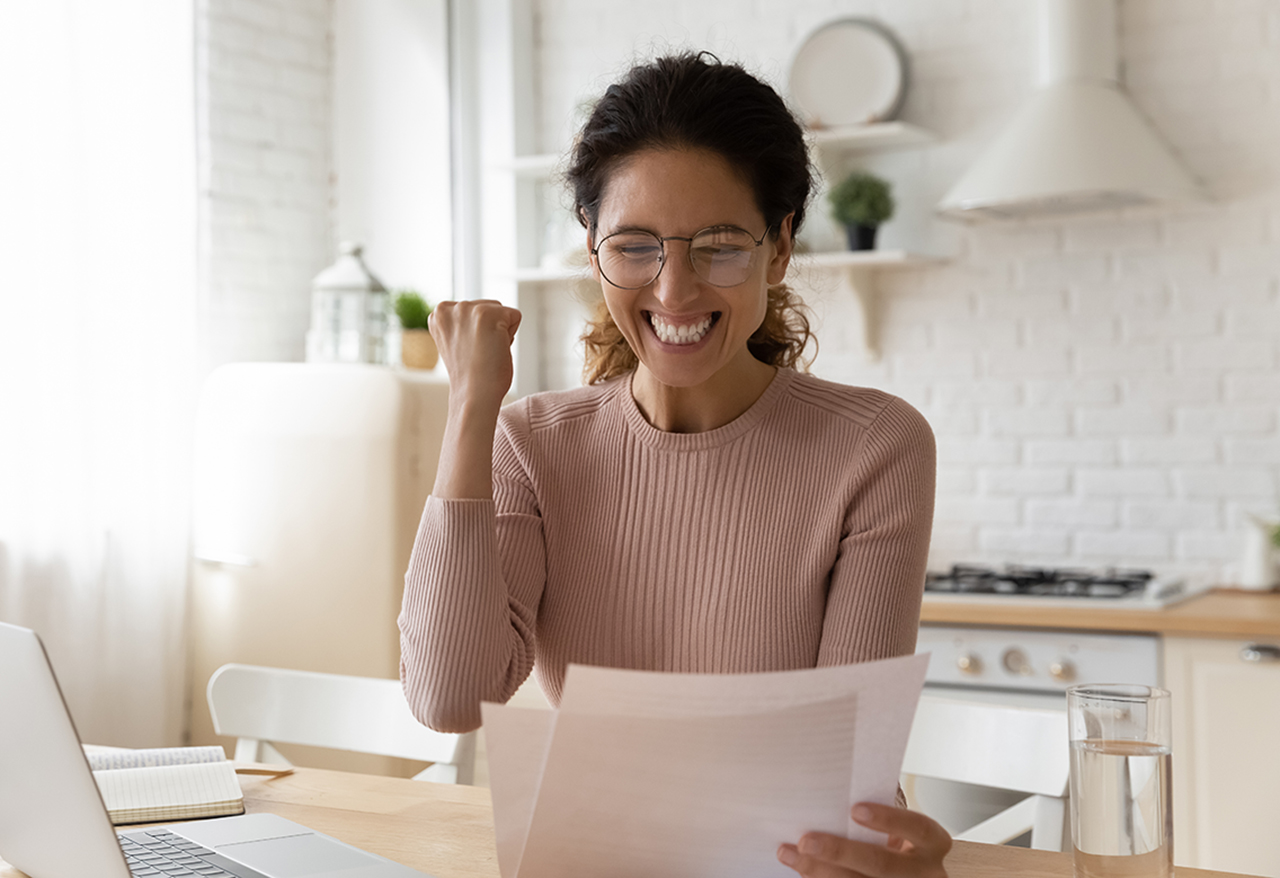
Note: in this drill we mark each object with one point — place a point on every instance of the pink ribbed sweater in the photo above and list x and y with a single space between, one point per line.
794 536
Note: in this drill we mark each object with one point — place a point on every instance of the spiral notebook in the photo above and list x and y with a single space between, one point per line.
167 783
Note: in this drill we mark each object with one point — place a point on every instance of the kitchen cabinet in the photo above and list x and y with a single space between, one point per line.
1226 745
1226 774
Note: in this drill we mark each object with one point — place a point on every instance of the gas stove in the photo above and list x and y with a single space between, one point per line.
1062 587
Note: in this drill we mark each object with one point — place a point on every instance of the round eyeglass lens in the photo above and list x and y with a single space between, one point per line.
630 259
723 257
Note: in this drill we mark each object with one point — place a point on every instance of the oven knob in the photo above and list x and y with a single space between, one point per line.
969 663
1015 662
1062 670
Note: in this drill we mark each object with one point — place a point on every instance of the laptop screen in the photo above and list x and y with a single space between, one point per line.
52 820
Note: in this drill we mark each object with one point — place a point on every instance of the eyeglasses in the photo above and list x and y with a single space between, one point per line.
723 256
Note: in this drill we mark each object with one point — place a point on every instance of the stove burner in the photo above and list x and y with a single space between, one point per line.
1033 581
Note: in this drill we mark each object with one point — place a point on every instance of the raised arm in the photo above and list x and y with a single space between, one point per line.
474 339
471 591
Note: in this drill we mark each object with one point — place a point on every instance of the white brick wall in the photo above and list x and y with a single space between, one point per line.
264 71
1104 390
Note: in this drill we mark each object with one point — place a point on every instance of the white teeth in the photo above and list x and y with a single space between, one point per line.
686 334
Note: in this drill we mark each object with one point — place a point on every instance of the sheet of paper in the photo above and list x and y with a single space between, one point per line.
654 802
675 774
516 742
889 691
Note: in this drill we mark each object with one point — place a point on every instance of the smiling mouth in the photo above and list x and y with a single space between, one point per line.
682 334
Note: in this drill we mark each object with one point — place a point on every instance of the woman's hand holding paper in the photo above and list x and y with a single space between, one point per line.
916 848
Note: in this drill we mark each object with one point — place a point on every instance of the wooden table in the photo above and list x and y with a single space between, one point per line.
447 831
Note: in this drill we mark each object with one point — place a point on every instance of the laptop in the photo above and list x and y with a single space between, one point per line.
53 823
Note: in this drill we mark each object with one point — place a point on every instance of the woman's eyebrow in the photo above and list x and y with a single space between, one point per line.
717 227
630 228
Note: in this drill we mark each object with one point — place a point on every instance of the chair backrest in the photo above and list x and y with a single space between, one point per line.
1012 748
362 714
1018 749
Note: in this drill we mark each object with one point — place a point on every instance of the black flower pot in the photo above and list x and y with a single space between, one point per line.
861 237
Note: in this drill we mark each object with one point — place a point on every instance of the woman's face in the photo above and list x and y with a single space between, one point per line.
684 329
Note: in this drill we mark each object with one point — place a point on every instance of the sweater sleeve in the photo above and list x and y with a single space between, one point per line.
471 597
873 603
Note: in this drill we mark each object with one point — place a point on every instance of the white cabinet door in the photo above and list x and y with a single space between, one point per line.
1226 746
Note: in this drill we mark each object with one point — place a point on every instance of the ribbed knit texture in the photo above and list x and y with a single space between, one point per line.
793 537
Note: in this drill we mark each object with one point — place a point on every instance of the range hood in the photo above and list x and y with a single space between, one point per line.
1079 144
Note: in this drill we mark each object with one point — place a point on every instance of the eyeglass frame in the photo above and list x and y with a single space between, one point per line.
662 255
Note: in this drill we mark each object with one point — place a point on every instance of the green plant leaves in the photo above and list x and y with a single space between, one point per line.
861 199
412 309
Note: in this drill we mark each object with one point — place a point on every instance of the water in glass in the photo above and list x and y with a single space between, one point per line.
1125 828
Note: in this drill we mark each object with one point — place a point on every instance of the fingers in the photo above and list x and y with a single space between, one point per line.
450 318
924 835
474 338
918 848
513 322
827 856
822 855
812 867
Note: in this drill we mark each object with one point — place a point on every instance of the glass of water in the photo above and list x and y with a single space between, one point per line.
1121 794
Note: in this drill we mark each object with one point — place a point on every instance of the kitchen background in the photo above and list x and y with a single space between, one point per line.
1104 389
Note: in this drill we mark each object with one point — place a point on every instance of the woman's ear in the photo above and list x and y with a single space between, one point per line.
591 257
783 246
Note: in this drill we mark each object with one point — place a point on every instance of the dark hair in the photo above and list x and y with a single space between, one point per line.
693 101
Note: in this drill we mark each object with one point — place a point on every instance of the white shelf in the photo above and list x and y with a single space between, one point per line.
829 148
872 137
860 268
867 259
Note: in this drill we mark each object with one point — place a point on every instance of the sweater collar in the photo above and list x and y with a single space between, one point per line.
744 423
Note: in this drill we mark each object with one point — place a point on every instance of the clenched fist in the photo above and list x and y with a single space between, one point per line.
474 338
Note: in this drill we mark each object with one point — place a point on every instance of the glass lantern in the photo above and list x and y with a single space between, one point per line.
349 309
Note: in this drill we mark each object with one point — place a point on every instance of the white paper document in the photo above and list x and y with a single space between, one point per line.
694 775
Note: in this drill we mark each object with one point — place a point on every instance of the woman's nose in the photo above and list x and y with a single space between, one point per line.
677 283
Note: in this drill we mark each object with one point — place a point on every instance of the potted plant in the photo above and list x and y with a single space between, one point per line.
861 202
417 347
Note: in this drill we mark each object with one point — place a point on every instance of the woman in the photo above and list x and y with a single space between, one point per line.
699 506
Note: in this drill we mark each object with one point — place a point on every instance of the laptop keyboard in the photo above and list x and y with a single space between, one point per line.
159 853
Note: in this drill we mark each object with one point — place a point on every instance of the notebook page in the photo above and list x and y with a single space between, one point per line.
102 759
170 791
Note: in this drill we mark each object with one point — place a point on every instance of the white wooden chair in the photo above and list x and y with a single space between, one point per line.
258 705
1021 749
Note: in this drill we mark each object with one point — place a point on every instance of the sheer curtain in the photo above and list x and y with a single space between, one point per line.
97 349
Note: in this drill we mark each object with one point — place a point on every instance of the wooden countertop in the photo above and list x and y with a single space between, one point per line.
447 831
1218 613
